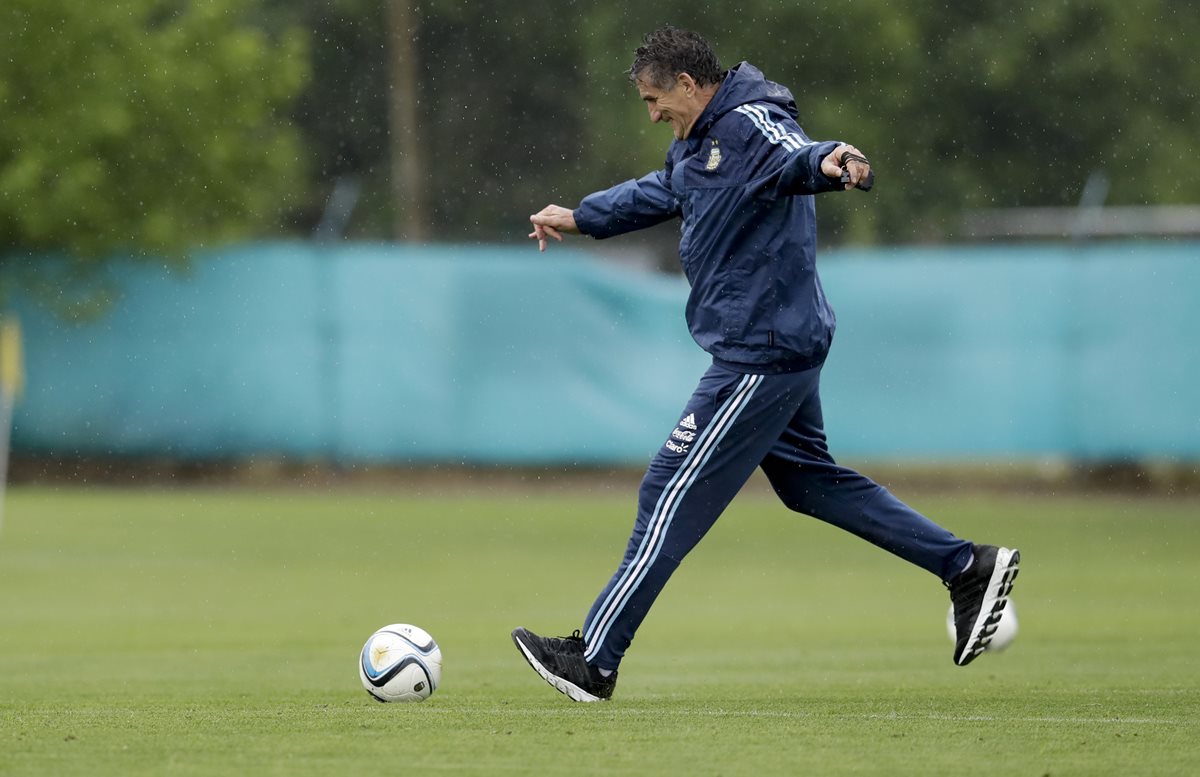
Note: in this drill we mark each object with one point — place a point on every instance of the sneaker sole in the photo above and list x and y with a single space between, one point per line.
995 600
566 687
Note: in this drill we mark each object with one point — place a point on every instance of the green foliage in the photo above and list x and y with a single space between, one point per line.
142 127
977 105
153 125
958 106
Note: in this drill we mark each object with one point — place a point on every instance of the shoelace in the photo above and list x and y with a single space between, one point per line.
571 643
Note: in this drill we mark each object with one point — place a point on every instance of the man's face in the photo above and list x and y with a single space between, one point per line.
674 105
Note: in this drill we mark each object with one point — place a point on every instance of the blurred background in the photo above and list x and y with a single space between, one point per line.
290 236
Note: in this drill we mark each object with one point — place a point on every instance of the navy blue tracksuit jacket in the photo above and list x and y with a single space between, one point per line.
742 183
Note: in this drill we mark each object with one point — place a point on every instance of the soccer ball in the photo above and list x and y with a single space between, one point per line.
1006 629
400 663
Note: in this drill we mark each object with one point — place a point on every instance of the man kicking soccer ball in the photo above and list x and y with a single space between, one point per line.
741 174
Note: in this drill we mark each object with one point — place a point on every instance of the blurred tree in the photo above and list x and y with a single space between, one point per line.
497 123
142 127
404 125
960 106
343 110
995 105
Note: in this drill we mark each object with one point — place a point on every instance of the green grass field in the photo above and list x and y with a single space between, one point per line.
208 632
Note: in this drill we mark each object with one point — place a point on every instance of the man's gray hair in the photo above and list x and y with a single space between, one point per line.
669 51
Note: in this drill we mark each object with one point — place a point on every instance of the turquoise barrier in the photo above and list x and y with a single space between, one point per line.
1086 352
396 354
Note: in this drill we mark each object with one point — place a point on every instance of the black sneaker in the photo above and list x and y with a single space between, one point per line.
980 595
559 660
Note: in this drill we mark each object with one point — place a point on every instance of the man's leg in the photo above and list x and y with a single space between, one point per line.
807 479
729 424
980 577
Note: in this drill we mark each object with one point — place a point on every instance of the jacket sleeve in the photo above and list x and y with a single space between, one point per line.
634 204
802 172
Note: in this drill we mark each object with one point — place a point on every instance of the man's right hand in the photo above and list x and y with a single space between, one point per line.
552 221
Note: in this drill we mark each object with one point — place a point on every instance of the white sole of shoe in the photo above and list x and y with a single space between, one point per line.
995 604
570 689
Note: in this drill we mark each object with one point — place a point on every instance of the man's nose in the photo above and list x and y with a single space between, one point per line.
655 115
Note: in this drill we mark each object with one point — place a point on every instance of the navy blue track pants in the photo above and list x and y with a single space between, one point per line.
733 423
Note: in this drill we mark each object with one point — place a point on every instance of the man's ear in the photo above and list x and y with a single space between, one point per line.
688 83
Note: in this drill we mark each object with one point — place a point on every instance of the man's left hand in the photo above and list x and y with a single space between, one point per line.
832 165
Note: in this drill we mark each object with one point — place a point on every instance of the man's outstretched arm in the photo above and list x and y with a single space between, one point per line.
628 206
818 168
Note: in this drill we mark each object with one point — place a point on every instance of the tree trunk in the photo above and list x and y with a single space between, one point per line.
409 220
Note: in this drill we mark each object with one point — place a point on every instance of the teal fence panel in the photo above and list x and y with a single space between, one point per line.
367 352
1080 351
400 354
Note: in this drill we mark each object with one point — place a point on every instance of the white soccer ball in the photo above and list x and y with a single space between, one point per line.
1006 629
400 663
